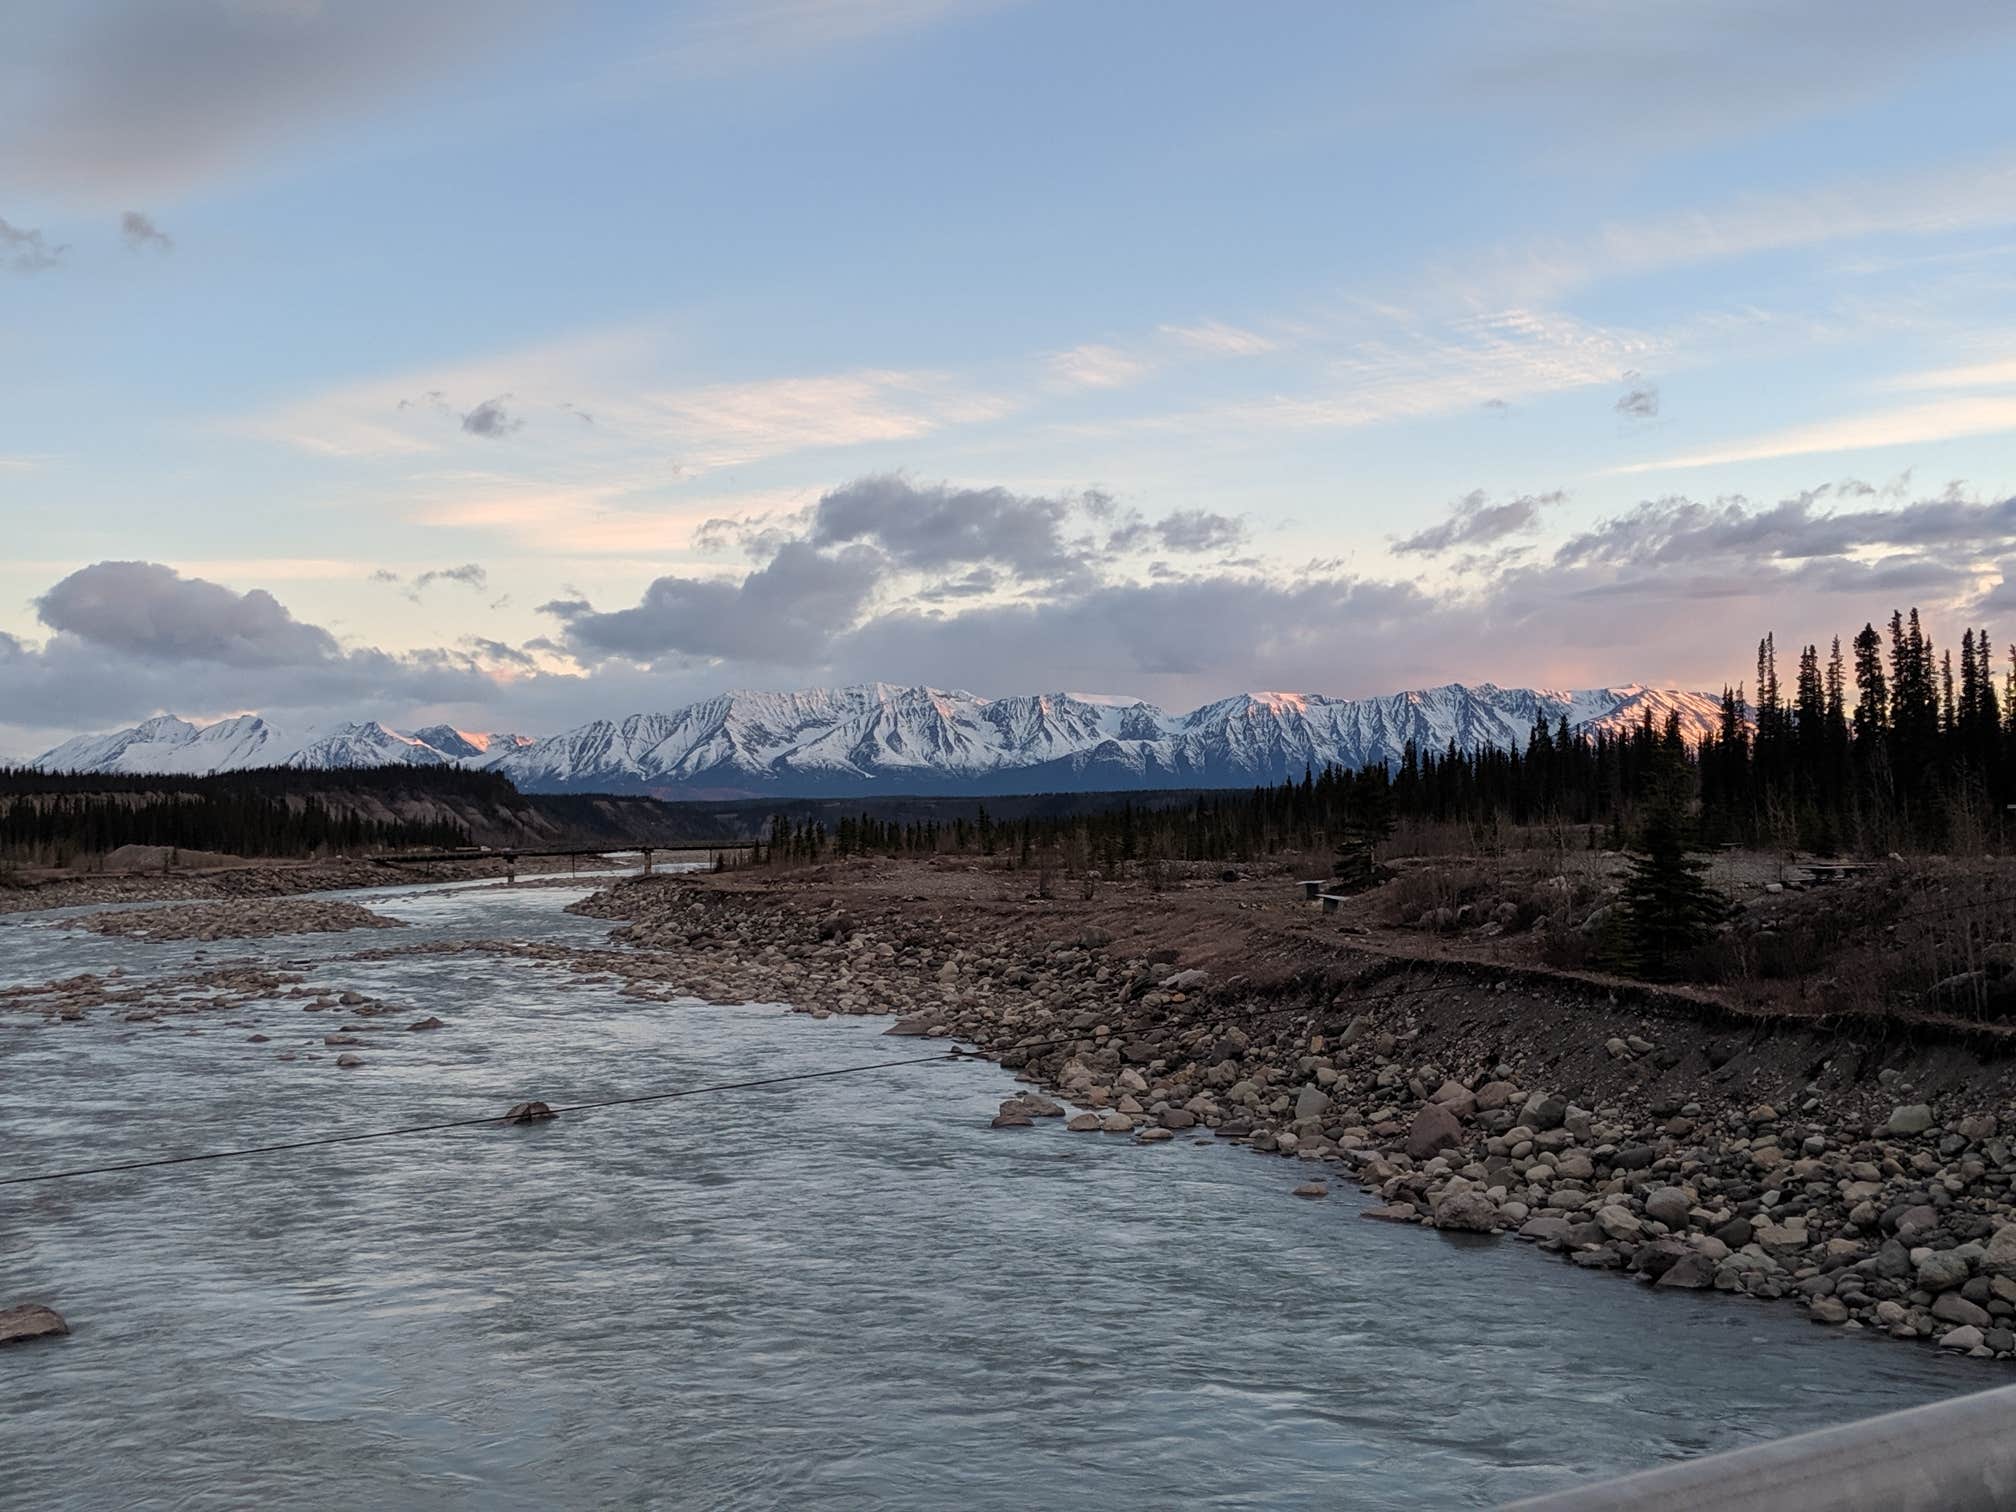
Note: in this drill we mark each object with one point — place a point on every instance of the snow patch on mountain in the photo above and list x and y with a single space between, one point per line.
889 738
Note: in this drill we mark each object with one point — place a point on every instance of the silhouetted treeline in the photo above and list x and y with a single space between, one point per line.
1891 745
439 781
56 818
1902 747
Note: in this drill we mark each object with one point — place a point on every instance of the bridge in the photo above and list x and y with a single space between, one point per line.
1952 1456
511 855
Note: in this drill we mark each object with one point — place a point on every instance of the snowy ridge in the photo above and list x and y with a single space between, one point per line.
888 738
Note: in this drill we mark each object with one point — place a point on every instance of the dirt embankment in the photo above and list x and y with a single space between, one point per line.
1676 1135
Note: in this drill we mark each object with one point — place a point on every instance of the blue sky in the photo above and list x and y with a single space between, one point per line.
1161 348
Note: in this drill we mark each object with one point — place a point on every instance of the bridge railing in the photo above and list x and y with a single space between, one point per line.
1958 1455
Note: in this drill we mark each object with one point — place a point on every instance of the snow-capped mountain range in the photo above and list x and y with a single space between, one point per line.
165 746
881 738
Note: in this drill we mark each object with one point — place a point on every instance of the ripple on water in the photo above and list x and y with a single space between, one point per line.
846 1293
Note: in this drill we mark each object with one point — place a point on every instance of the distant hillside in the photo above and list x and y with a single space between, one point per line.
49 818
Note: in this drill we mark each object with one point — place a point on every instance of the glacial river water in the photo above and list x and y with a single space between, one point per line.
844 1293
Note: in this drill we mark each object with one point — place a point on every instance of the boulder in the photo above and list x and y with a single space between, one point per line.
30 1320
1941 1271
1618 1223
527 1112
1495 1095
1312 1189
1690 1272
1434 1130
1467 1213
1311 1102
349 1062
1083 1123
1967 1336
1956 1309
1913 1118
2000 1256
429 1022
1543 1111
1456 1097
1547 1227
1655 1259
1670 1206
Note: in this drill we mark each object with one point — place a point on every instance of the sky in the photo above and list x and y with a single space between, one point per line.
515 365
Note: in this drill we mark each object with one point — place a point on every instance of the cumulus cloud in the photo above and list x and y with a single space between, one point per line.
1677 530
936 526
852 598
146 610
141 233
26 250
1199 530
786 612
490 419
1475 521
127 639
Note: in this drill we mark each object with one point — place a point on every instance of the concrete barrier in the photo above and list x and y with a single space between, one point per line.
1953 1456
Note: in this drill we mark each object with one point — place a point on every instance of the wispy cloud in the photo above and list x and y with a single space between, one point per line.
1971 375
141 233
1940 420
1475 521
1962 198
24 249
725 36
1220 339
1095 366
1640 402
677 432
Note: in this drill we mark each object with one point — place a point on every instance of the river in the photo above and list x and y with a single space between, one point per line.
839 1293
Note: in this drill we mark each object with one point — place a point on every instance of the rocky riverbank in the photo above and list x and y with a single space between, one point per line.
1869 1184
243 919
21 893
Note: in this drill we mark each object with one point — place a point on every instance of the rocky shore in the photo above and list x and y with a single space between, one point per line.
247 919
20 893
1871 1185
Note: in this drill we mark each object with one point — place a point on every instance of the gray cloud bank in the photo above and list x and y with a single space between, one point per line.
1022 592
98 97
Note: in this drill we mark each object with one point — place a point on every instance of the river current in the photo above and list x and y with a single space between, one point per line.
842 1293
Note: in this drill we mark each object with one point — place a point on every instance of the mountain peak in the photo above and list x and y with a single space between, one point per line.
891 737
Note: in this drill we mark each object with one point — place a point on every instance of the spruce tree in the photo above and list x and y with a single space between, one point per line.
1667 908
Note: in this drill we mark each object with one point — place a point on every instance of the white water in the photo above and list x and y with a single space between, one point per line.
840 1293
